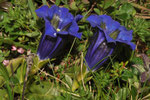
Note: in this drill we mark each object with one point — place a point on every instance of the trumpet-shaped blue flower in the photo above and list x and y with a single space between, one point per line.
109 33
59 23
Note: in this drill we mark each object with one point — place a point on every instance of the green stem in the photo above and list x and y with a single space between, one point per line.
9 91
71 47
132 54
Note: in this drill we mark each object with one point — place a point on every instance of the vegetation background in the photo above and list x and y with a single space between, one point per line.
64 77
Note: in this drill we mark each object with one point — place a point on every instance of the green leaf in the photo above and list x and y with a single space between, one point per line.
137 60
6 54
1 16
124 16
133 92
73 6
85 1
3 94
97 11
5 76
32 9
45 90
125 11
37 64
14 80
1 58
68 79
14 63
79 77
57 2
3 72
122 94
141 28
21 72
140 68
7 72
128 9
33 34
127 74
75 85
108 3
44 2
18 88
82 74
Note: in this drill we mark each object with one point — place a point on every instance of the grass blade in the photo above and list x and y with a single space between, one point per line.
4 73
32 9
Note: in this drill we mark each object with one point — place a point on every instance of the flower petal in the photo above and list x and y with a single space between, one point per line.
56 49
132 45
94 20
52 10
125 34
78 17
108 38
46 45
110 24
99 38
49 30
62 32
98 51
66 22
73 30
65 18
105 54
42 12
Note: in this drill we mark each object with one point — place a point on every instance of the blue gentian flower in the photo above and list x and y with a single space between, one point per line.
59 23
109 34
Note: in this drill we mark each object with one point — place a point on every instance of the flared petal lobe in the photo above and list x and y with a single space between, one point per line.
78 17
42 12
59 23
109 33
94 20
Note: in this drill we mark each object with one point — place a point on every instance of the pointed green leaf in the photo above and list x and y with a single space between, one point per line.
37 64
75 85
21 72
3 94
10 69
108 3
44 90
68 79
